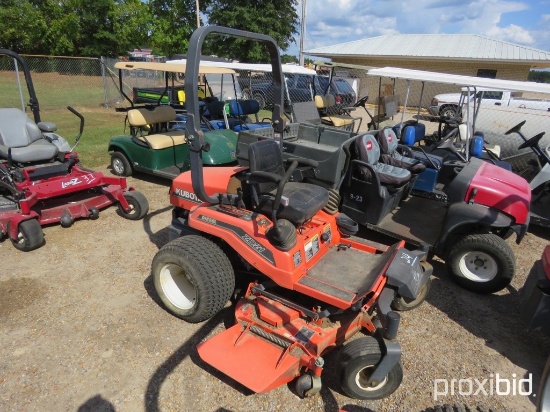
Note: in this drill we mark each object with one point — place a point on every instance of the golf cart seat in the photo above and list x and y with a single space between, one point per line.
299 201
157 120
366 195
387 139
324 103
368 151
241 109
24 138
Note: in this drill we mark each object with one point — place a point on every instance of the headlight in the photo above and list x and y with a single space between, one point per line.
435 102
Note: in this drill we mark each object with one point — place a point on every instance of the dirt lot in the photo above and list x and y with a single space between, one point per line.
81 329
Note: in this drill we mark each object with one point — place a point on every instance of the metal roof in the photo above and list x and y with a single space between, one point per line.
435 47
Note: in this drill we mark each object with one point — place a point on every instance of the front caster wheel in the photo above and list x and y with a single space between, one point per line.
356 362
193 278
403 304
139 206
29 236
482 263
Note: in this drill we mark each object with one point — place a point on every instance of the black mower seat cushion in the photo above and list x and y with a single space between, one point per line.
304 200
300 200
24 138
387 139
368 151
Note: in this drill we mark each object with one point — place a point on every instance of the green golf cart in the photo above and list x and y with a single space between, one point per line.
156 143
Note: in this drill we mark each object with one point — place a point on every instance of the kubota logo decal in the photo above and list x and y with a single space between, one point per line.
186 195
252 243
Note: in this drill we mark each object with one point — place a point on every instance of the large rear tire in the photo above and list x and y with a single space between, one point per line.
356 362
193 278
29 236
482 263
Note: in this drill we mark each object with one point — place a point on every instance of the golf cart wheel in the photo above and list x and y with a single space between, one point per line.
139 206
29 236
356 362
403 304
260 98
448 112
482 263
193 278
120 164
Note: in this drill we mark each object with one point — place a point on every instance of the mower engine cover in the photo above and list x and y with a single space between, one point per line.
407 274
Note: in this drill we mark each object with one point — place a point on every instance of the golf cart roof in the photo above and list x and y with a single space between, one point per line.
336 65
173 67
252 67
459 80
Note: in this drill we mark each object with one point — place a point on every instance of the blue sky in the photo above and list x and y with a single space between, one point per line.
329 22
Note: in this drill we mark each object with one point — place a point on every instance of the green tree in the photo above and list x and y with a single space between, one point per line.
277 19
173 24
22 26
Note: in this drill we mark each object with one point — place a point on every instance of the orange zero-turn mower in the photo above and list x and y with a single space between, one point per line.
312 285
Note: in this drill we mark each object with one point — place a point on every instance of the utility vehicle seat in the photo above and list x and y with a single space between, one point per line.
368 151
157 119
241 110
387 139
327 101
24 138
300 201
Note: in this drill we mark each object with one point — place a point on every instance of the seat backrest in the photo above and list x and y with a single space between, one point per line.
325 101
16 129
306 112
387 139
266 156
367 148
142 116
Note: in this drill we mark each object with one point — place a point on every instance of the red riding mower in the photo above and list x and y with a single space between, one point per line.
312 285
41 181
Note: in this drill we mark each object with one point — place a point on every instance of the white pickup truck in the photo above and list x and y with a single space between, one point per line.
447 104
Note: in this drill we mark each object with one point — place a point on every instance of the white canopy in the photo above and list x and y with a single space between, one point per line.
253 67
459 80
170 67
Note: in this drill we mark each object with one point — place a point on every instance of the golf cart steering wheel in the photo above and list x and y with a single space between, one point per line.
362 101
516 128
532 142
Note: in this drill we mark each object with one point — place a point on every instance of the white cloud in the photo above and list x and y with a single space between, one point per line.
511 33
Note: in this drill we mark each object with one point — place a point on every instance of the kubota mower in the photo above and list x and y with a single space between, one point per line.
312 284
41 180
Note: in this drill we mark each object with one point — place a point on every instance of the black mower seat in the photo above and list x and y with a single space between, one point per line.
368 151
300 201
24 138
388 141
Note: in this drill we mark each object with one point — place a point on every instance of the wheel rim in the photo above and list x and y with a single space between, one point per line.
177 287
118 166
363 375
478 266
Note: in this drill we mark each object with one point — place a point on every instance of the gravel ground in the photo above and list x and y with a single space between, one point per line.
81 329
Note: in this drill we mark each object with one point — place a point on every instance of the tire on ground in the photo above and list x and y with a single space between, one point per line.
355 363
481 263
193 277
139 205
30 236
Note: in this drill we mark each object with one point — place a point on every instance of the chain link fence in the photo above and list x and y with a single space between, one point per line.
94 83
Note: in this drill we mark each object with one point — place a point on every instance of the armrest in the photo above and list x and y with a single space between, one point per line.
307 162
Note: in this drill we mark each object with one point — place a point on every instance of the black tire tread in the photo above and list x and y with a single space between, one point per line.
216 279
499 245
363 346
140 203
128 170
32 233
